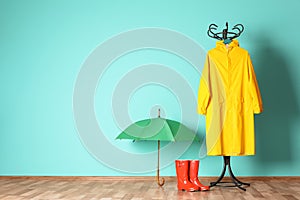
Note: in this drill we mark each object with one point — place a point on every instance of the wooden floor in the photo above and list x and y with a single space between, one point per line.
16 188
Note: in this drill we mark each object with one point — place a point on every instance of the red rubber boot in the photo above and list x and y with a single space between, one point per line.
182 172
194 167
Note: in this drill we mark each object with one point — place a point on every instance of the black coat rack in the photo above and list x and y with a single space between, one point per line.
227 35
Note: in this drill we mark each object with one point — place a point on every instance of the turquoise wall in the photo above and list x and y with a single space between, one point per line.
44 46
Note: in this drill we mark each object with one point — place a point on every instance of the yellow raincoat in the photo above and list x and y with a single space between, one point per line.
229 96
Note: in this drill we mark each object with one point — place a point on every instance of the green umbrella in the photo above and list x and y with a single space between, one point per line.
158 129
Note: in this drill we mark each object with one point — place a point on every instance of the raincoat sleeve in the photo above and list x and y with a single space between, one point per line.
204 92
254 90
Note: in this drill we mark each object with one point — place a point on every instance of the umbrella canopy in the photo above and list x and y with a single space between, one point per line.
158 129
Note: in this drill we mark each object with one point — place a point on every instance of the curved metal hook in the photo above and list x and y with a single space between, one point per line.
240 29
211 34
237 27
210 28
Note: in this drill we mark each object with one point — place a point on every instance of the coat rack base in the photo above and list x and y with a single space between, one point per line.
234 181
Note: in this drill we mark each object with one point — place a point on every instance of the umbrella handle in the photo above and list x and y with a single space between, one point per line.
157 177
159 182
